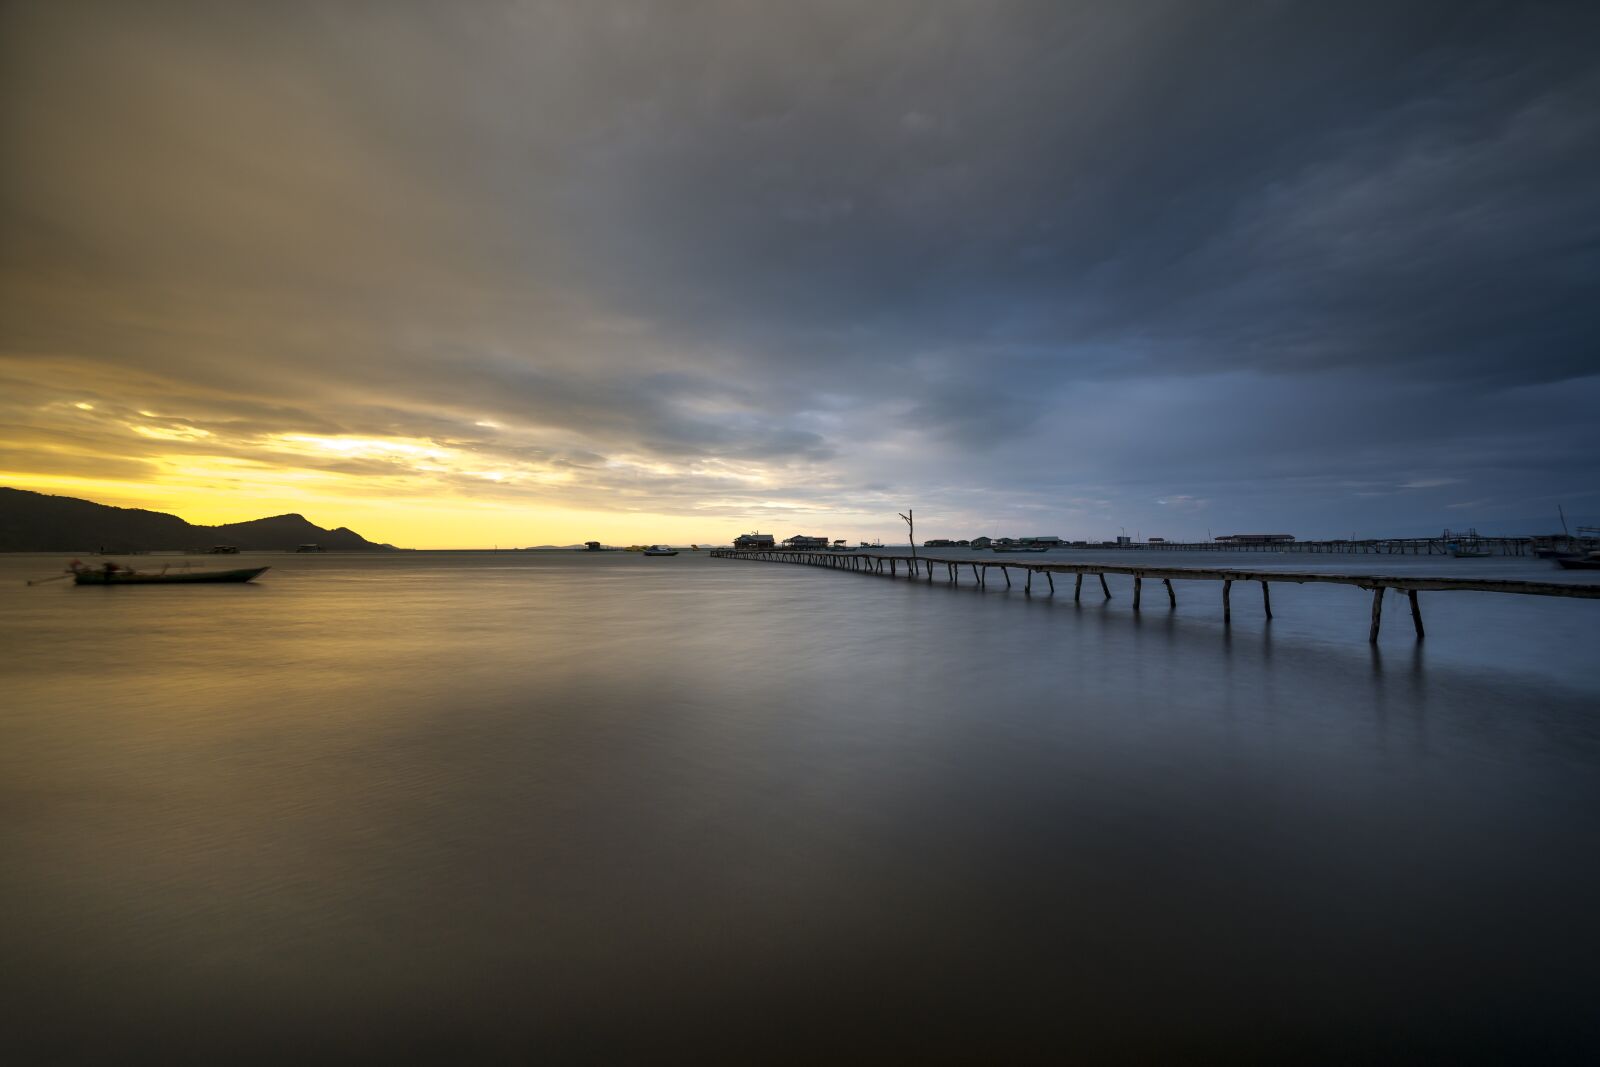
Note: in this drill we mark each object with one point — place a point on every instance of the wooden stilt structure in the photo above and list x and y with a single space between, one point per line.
875 563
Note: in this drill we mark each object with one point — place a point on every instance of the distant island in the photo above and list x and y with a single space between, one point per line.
36 522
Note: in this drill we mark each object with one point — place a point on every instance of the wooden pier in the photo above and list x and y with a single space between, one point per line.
918 567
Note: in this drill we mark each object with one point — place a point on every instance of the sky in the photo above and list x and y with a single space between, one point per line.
462 274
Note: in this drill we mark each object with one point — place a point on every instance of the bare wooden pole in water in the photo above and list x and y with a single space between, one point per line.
1138 586
1377 615
1104 588
1172 598
1266 599
1077 588
1416 613
1227 608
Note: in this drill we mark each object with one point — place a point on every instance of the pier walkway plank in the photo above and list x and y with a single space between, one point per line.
889 564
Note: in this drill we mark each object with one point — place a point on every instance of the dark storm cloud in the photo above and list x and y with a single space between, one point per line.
1079 265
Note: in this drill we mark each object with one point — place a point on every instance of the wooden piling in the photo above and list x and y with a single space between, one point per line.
1104 588
1172 598
1077 588
1138 586
1227 608
1266 598
1052 582
1416 613
1377 615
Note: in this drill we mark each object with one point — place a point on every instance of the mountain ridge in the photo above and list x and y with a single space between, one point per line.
39 522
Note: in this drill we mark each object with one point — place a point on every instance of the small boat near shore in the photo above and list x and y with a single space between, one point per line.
1591 562
116 574
660 550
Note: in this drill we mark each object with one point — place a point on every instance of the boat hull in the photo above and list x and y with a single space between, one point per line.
190 578
1579 564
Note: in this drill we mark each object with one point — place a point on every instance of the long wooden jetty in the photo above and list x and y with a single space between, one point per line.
889 564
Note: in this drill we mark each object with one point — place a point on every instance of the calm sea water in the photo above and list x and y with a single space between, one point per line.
574 807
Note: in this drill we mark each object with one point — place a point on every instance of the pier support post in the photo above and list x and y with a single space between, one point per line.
1138 587
1227 608
1077 588
1377 615
1104 588
1027 584
1416 613
1005 572
891 568
1172 597
1052 582
1266 599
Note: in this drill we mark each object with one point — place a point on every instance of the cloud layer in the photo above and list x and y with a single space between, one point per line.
692 267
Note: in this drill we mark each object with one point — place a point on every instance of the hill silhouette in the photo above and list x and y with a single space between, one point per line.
36 522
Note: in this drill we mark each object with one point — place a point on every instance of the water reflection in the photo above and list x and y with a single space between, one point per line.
599 808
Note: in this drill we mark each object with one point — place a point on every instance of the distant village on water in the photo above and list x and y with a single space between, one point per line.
801 541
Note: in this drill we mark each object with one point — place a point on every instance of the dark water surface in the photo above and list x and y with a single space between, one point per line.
598 808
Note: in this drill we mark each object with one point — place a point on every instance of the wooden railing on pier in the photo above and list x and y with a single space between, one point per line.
889 565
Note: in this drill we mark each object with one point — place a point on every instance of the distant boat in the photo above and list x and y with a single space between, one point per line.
223 550
113 574
1468 551
310 548
1591 562
660 550
1020 548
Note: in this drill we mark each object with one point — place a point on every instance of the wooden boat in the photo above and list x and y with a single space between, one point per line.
660 550
1019 548
1591 562
111 574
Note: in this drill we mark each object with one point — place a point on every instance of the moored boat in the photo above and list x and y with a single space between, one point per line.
660 550
1591 562
116 574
